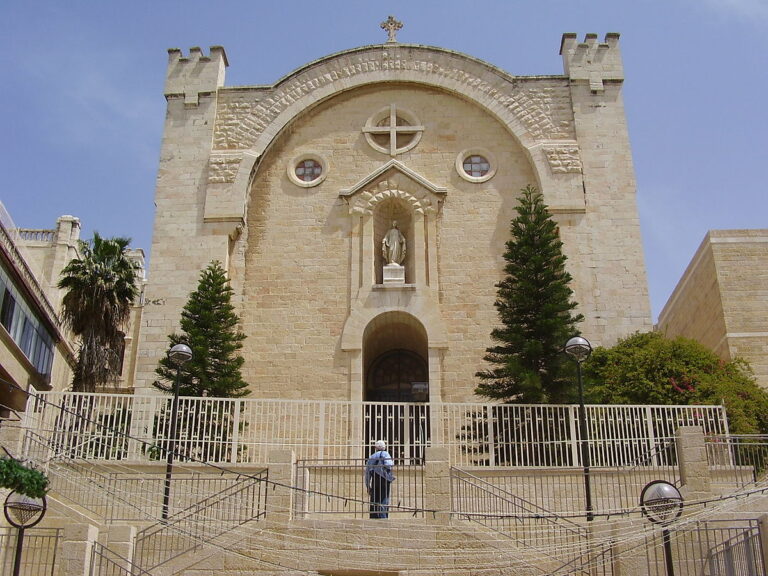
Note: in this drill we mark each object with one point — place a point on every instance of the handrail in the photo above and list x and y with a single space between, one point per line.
104 559
532 509
177 525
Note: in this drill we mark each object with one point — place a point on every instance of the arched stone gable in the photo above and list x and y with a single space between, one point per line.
530 110
536 111
402 182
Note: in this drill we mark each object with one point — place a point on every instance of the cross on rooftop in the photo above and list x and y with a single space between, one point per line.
391 26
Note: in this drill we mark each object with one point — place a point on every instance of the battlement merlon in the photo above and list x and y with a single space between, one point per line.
592 61
195 74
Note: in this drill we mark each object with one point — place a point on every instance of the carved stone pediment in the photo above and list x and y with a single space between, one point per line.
394 180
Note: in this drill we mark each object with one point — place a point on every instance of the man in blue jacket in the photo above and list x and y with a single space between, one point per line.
378 477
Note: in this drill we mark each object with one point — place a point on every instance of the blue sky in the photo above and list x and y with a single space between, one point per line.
83 103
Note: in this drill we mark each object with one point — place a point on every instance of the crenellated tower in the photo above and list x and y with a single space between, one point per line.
613 270
592 61
196 74
182 242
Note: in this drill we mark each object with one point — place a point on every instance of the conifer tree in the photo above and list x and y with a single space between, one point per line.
209 326
535 307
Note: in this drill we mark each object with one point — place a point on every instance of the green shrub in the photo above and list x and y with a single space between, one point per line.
17 477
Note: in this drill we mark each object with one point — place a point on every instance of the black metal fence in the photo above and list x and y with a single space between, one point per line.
39 553
738 460
711 548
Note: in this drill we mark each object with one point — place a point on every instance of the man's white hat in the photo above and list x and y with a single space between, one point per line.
380 445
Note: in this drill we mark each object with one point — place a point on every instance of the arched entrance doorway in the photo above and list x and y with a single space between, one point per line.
396 385
398 376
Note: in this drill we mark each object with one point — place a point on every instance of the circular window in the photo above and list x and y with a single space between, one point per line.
476 165
392 131
307 170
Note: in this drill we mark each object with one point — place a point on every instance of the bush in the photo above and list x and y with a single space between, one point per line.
17 477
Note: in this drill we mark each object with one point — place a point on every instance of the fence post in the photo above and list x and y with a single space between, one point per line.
762 525
237 406
437 484
280 493
77 547
694 468
490 414
572 418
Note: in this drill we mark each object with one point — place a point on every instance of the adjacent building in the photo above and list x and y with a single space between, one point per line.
34 351
722 298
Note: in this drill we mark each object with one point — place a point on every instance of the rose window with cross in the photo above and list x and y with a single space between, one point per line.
393 131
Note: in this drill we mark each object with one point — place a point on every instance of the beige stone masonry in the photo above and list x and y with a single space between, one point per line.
282 470
722 298
76 549
304 260
694 467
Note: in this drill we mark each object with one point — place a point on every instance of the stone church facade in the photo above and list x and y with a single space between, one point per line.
294 186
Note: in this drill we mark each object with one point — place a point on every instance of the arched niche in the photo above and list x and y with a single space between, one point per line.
386 214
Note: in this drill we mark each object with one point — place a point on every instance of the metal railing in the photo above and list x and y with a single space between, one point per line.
205 521
737 461
39 555
548 435
712 547
137 428
739 554
125 496
561 490
525 522
338 487
105 562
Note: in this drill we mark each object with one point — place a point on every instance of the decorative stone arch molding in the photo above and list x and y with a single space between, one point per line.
394 180
424 312
367 201
533 111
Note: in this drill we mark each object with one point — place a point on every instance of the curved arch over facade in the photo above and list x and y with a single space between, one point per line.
527 112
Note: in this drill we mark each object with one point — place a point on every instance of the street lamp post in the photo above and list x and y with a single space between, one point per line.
180 354
23 512
662 503
579 349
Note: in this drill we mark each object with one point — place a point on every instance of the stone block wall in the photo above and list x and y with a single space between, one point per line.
722 298
294 253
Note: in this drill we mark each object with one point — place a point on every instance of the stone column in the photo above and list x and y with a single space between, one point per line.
76 549
431 240
280 495
420 263
437 484
763 522
694 469
355 271
368 255
120 540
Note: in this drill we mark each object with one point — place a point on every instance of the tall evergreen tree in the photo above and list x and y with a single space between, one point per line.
100 290
209 326
535 307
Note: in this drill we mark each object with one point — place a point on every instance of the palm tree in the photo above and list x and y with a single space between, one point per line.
101 287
